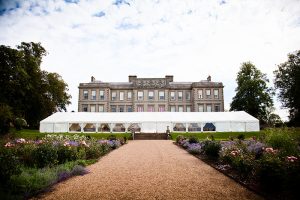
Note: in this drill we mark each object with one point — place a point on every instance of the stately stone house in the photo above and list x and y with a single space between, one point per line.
151 95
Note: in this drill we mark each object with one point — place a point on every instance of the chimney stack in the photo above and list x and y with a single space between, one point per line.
93 79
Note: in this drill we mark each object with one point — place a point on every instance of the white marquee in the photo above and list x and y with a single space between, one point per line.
149 122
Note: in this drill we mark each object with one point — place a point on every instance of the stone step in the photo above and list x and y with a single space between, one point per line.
150 136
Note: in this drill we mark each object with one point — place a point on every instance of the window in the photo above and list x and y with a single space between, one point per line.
113 109
217 108
161 108
200 108
216 94
84 108
101 108
207 93
161 95
172 95
180 108
113 96
173 108
129 108
121 96
209 127
93 108
101 94
179 96
208 108
85 94
121 108
140 108
129 95
150 108
188 95
93 94
140 95
150 95
200 94
188 108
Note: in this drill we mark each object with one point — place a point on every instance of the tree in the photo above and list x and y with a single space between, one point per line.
287 81
252 93
32 93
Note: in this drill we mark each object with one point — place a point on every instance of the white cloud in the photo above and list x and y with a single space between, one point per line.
189 39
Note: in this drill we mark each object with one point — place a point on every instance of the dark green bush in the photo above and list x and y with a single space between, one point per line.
65 154
211 148
271 172
241 136
193 139
19 123
9 165
244 164
25 154
111 137
5 118
94 151
45 155
179 138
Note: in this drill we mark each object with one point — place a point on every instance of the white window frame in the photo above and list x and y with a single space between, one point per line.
129 95
102 108
172 95
180 96
161 108
172 108
150 97
180 108
208 108
140 108
85 94
122 94
93 108
151 108
208 93
200 94
199 108
140 96
188 95
113 95
188 108
101 94
161 95
216 93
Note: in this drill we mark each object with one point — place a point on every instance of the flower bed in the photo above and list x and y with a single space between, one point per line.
256 164
30 166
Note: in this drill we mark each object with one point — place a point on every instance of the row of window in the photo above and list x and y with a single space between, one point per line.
119 127
151 108
140 95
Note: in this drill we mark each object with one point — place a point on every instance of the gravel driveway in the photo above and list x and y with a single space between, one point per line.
150 169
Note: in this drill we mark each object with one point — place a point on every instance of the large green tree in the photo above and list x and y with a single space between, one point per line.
287 81
32 93
252 93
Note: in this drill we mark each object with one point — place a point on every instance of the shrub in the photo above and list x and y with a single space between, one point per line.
79 170
282 140
193 140
65 154
244 164
45 155
211 148
111 137
9 165
241 136
179 138
5 118
19 123
94 151
195 148
271 172
25 154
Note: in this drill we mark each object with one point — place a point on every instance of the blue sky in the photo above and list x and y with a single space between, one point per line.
152 38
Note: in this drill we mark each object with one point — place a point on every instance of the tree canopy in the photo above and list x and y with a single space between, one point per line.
32 93
287 81
252 93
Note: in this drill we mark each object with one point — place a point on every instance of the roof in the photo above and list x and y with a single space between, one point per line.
136 117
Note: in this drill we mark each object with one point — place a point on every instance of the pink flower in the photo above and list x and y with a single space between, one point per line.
67 144
9 145
234 153
21 141
270 150
291 158
84 143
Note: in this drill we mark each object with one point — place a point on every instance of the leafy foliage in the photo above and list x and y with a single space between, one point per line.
287 81
5 118
32 94
252 93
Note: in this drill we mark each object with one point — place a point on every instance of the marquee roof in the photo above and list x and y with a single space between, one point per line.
137 117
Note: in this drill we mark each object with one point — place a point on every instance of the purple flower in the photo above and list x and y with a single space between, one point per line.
195 148
73 143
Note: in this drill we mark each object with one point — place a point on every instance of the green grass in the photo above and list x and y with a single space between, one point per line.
35 134
217 135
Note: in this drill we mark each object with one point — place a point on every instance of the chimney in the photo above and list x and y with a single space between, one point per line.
93 79
169 78
209 78
132 78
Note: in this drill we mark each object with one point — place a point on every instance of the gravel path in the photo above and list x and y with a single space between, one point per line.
148 169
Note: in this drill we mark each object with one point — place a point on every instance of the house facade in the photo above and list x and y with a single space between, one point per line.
151 95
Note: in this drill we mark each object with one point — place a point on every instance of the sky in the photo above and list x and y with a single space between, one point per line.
189 39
